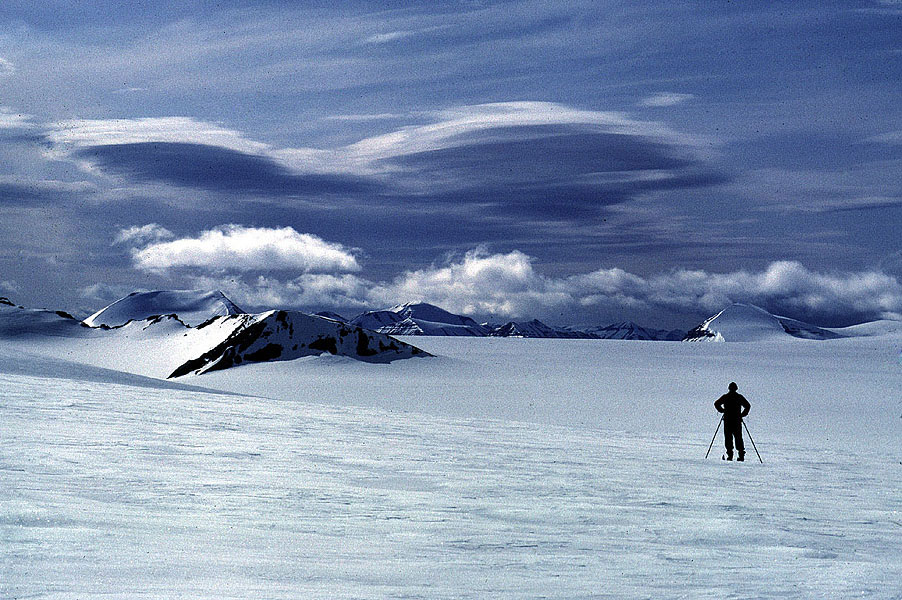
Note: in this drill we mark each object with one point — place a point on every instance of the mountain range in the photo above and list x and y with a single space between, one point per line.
427 319
168 334
127 335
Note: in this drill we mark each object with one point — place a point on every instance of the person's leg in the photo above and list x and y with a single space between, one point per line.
740 444
728 439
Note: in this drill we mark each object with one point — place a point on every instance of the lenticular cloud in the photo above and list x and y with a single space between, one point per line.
238 248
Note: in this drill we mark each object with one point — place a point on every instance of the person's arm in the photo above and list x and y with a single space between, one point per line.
746 407
718 404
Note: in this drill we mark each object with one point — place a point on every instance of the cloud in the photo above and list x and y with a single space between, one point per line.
508 285
214 168
889 138
14 120
663 99
18 192
241 249
539 159
72 135
6 67
390 36
143 234
311 291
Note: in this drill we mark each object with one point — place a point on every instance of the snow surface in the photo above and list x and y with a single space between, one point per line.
192 306
502 468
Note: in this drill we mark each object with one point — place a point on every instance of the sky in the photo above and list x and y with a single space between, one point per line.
581 162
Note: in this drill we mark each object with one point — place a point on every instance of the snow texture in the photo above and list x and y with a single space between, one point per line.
500 468
109 490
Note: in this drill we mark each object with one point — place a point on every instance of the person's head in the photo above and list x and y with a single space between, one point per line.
733 387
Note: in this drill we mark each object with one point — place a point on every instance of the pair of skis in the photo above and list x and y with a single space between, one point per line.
719 423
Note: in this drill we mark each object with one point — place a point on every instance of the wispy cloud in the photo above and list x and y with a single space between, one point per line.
9 119
662 99
71 135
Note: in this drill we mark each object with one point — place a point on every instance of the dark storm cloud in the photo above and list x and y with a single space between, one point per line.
214 168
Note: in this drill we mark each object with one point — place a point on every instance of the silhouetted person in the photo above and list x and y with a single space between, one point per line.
733 406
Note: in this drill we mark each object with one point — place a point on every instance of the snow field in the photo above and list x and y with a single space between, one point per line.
119 491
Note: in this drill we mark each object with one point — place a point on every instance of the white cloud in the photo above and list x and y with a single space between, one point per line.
14 120
453 124
311 290
238 248
508 285
82 133
477 283
390 36
6 67
662 99
143 234
9 287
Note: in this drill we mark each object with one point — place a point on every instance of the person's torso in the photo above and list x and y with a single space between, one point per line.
732 403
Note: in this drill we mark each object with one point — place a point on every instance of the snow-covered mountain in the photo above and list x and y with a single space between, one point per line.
427 319
627 330
165 346
749 323
418 319
192 306
287 335
537 329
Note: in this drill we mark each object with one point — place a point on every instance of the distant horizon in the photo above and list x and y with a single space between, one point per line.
492 320
520 159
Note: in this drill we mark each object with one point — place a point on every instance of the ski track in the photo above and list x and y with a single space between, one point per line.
124 492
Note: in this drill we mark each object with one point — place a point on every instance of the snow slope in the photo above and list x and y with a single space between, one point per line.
193 307
748 323
115 491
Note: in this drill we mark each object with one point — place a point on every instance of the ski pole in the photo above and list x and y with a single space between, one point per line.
753 441
711 445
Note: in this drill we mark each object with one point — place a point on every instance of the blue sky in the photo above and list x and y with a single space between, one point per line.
572 161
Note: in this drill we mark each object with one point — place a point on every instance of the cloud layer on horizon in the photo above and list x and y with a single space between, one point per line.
254 266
